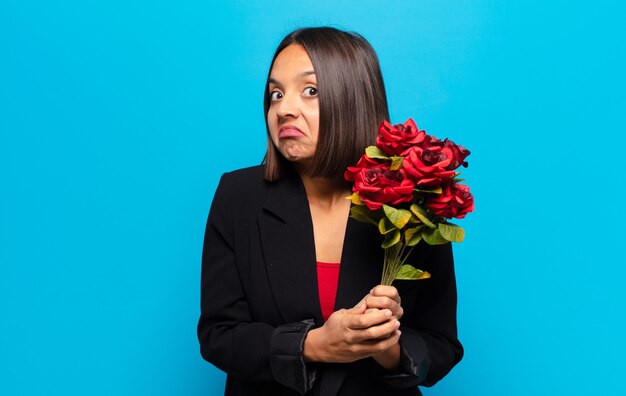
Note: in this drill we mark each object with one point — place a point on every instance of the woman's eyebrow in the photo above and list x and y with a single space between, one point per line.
305 73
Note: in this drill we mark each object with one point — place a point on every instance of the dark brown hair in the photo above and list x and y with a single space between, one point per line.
352 100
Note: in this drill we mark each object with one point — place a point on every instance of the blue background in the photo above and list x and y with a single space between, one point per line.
118 117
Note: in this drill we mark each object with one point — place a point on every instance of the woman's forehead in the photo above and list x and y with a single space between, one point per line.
293 62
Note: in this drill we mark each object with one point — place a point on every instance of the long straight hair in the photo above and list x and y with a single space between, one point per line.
351 96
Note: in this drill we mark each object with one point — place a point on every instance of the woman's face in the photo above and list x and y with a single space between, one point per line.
293 115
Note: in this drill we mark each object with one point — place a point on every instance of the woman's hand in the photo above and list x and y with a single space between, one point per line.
386 297
352 334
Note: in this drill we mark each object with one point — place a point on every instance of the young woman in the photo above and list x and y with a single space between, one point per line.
290 303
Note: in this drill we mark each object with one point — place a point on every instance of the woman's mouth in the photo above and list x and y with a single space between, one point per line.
289 131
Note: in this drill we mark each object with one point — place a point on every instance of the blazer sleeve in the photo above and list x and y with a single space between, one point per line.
429 347
229 338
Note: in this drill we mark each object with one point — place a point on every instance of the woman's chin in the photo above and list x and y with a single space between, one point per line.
296 156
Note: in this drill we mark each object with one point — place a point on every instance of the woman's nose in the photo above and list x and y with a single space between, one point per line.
288 106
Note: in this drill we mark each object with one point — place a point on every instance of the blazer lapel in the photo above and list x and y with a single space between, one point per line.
286 234
361 263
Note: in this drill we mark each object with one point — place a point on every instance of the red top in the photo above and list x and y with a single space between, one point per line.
327 279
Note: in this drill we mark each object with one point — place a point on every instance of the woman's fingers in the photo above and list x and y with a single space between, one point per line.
382 303
367 319
352 334
379 302
375 332
358 309
371 347
386 291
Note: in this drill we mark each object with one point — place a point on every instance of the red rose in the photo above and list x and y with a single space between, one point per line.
430 166
456 153
378 186
364 162
398 139
454 201
459 153
430 140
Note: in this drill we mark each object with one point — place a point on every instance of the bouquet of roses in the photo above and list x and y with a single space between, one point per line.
407 185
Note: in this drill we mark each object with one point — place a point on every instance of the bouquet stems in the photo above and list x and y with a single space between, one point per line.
395 256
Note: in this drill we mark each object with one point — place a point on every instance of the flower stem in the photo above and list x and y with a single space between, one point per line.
395 257
390 265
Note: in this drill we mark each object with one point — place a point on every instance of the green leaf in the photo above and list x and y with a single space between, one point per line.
433 237
451 232
391 239
364 214
385 226
421 214
412 236
355 199
414 220
396 162
375 152
398 217
408 272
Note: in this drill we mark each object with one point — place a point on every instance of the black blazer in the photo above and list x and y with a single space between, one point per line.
259 297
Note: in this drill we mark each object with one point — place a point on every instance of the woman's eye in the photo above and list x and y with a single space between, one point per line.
275 95
312 91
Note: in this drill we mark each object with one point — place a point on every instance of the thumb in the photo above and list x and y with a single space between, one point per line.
359 308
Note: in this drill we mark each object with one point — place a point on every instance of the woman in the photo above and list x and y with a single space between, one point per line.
287 302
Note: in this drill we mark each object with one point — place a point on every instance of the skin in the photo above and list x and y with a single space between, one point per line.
370 329
295 103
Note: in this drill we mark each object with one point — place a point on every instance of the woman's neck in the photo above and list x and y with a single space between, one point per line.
324 191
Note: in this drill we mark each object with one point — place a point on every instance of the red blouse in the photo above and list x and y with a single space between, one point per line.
327 279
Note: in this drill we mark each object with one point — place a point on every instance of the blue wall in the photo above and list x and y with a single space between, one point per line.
118 117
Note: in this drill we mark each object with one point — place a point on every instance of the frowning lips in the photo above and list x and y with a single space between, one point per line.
289 131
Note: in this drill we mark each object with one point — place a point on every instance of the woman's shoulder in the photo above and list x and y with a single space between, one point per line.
242 187
243 179
250 174
248 186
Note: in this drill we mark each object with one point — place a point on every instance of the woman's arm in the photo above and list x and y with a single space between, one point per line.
229 337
